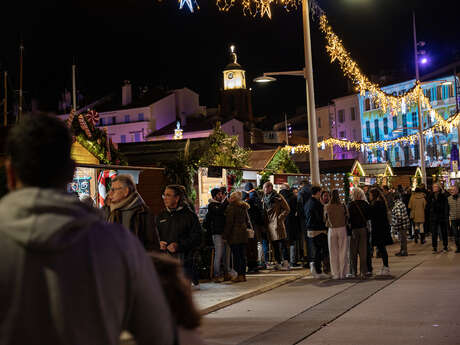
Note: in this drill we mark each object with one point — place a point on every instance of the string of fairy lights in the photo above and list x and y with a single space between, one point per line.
384 102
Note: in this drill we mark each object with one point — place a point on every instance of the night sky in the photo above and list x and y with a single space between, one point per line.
151 42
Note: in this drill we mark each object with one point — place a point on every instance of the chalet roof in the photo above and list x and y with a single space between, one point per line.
258 160
328 166
376 169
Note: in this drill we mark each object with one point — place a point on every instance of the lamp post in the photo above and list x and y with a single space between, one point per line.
421 139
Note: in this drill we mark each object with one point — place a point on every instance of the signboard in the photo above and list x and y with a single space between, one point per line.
280 179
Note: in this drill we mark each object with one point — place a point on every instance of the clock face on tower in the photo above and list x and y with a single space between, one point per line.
230 75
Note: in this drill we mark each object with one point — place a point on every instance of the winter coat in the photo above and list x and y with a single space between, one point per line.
357 219
256 214
68 277
135 216
380 227
315 218
454 207
417 205
214 221
302 199
400 219
236 223
276 212
292 220
439 208
335 215
180 226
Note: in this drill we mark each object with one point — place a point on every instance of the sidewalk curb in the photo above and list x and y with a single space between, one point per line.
252 293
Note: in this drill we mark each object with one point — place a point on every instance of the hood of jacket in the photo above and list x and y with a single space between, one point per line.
419 195
45 219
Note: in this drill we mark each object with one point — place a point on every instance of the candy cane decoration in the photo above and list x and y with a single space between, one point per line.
70 119
102 184
84 126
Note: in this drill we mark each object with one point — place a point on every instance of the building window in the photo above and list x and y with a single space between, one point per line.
450 91
406 153
319 122
379 156
439 92
414 119
137 137
114 120
385 126
108 121
102 121
397 154
341 116
428 117
344 156
404 124
123 138
320 139
367 104
368 129
342 135
353 114
427 93
127 118
354 134
377 132
141 116
417 151
395 122
387 155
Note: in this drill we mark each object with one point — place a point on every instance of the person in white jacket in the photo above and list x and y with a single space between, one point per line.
66 276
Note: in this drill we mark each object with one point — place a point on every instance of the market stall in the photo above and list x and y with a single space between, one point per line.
381 172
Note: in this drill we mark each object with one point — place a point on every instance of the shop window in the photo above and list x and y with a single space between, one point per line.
341 116
353 114
377 132
414 119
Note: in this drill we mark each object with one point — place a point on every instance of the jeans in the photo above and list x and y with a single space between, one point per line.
338 250
321 251
456 230
266 251
220 255
239 258
280 248
359 245
383 252
441 229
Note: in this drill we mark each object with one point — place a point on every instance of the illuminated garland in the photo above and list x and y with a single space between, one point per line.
257 7
453 121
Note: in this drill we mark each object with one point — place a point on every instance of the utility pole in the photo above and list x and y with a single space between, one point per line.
21 60
421 139
311 111
5 99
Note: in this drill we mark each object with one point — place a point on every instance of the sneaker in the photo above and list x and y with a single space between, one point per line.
323 276
285 266
278 267
386 271
369 274
196 287
350 276
435 251
445 250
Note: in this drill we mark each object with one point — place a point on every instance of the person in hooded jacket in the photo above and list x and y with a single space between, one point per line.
214 222
417 206
439 217
67 276
236 233
128 208
179 230
276 210
380 228
292 223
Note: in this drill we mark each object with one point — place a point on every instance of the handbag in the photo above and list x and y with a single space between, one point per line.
250 230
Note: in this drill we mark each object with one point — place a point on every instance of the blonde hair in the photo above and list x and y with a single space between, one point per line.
236 196
358 194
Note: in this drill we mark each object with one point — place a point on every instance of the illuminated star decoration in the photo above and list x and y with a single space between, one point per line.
189 4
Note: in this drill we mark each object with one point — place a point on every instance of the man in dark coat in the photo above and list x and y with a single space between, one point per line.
317 230
439 217
292 223
127 208
256 216
179 230
214 222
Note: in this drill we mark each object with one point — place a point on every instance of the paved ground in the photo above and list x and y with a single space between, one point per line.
419 305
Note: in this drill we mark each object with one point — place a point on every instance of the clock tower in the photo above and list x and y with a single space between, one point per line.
235 97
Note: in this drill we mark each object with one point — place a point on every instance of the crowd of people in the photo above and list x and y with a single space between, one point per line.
73 273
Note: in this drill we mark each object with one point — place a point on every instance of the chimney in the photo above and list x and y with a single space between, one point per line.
126 93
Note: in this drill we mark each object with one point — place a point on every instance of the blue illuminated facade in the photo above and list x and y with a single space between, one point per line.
377 125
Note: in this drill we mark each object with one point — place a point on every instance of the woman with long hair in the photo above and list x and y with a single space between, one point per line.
380 228
336 215
236 233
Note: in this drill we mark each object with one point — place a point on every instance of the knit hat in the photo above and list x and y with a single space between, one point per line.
248 186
